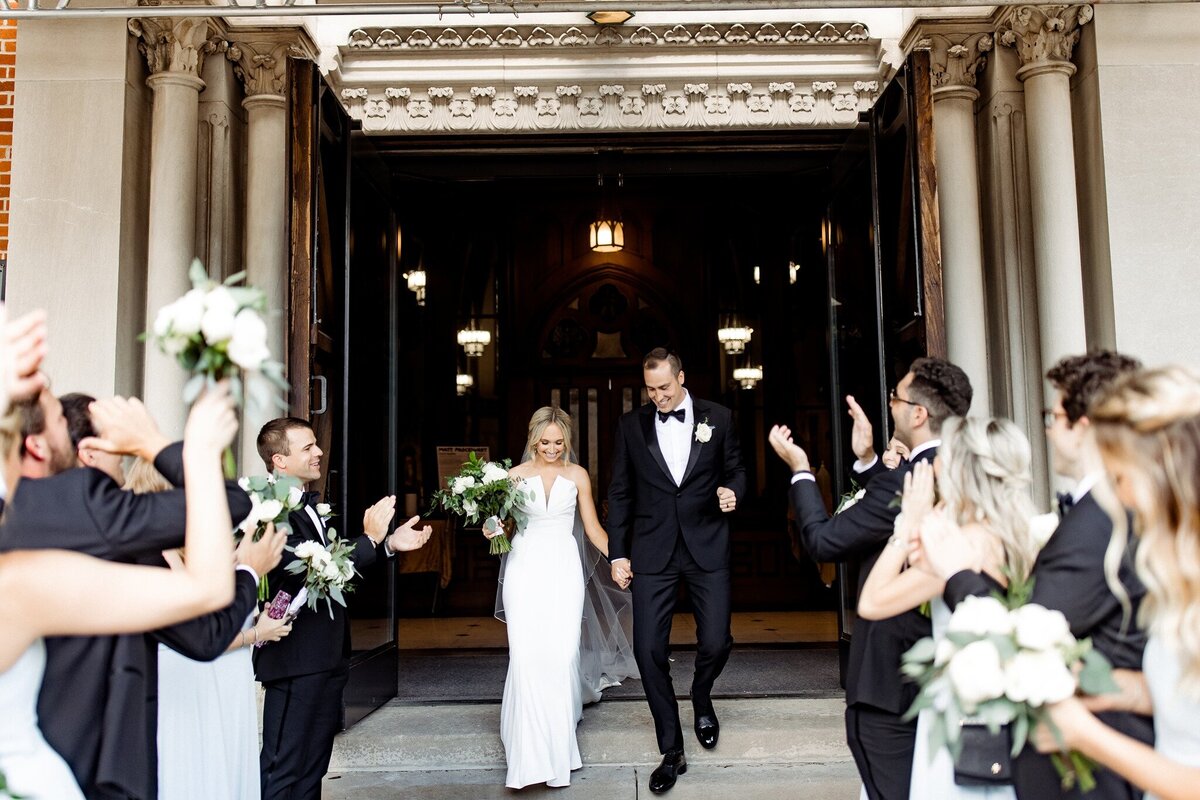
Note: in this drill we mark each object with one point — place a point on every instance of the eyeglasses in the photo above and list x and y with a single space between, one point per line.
1049 415
895 398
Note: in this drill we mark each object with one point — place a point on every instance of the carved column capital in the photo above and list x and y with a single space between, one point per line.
172 44
1044 36
261 64
955 59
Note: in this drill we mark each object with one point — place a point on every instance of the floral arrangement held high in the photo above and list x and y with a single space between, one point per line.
484 490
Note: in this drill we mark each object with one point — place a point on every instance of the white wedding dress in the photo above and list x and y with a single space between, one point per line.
1176 735
543 604
33 770
933 773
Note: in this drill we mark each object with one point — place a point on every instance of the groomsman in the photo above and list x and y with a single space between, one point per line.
304 674
876 695
1069 574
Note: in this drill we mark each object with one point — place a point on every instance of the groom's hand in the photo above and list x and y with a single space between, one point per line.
792 454
862 435
408 536
622 572
727 499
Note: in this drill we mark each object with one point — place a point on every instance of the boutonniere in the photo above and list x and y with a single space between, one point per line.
704 431
324 511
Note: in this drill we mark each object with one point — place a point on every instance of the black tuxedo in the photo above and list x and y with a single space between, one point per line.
303 675
1069 576
876 693
670 533
107 732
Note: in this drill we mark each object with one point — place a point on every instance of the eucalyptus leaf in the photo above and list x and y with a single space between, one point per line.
192 389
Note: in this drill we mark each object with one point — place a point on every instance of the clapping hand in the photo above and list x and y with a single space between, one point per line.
918 493
125 427
21 353
862 435
377 518
792 454
409 537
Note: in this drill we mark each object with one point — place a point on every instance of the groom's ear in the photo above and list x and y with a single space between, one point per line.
680 377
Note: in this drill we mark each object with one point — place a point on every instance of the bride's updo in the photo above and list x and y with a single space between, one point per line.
1147 429
541 419
984 476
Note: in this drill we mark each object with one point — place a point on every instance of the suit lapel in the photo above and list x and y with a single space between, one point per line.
652 441
313 532
699 414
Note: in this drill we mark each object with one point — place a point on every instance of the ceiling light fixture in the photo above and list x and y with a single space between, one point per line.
748 377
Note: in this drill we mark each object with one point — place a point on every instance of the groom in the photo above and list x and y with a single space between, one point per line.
677 470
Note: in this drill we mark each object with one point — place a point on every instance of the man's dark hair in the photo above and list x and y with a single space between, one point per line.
942 388
659 355
79 417
273 438
1082 378
33 419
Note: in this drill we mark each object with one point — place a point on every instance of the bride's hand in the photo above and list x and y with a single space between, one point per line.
492 527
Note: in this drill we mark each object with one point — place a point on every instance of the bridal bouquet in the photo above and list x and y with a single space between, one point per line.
483 490
1001 662
327 569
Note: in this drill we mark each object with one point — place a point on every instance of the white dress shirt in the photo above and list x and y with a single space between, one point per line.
675 438
1084 486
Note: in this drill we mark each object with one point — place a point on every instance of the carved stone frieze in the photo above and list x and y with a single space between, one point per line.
172 44
401 109
1043 34
694 35
261 64
955 59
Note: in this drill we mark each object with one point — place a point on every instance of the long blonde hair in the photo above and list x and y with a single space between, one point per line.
984 477
144 478
1147 429
542 419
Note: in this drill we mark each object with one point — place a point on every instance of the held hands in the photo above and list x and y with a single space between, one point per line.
792 454
408 537
125 427
622 572
727 499
261 556
377 518
862 435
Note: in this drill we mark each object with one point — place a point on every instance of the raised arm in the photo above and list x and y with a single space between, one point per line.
587 510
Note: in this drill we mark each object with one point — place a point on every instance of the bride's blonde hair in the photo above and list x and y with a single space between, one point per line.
1147 429
542 419
984 477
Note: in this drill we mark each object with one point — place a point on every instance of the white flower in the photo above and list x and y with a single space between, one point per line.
244 483
470 507
324 510
944 652
976 674
703 432
268 510
1038 678
320 557
187 313
307 550
220 310
493 472
462 483
174 345
295 497
248 345
1040 628
1042 527
980 616
271 479
850 501
163 320
331 572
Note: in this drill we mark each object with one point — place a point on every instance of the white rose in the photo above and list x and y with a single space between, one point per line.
220 309
976 674
163 320
306 550
944 652
320 557
244 483
248 344
1038 678
295 496
187 313
470 507
1039 628
703 432
330 572
324 509
493 472
269 510
1041 528
462 483
980 616
174 345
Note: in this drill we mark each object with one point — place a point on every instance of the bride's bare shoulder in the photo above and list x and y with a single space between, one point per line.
576 473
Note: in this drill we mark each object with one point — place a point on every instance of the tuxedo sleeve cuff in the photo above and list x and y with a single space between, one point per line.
249 570
803 475
860 466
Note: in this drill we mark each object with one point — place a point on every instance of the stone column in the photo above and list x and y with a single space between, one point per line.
174 51
1044 37
955 59
261 63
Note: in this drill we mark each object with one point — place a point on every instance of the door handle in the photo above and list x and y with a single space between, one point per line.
324 384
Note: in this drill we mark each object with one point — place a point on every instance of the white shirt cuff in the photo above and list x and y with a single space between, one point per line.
387 551
860 467
804 476
250 569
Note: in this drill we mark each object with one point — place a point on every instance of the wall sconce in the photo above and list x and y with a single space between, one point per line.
734 339
793 272
606 235
463 383
473 340
416 284
748 377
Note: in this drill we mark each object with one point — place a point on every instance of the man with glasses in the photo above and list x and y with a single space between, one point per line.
1069 574
876 695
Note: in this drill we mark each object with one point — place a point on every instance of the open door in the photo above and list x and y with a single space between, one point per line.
883 259
344 271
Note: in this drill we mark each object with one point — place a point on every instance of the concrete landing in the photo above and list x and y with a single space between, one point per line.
770 749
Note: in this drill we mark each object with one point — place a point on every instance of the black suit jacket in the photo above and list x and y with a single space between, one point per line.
859 534
317 643
1068 575
105 730
647 512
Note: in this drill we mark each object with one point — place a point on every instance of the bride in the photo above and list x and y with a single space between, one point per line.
568 636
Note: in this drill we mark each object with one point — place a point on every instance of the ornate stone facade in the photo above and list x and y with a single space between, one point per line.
1044 34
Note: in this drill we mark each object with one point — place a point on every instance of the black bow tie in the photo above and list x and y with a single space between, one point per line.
310 498
678 414
1065 503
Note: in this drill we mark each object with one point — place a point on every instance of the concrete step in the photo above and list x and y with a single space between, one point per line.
770 748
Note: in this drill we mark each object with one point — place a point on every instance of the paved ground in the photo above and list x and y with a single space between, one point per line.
770 749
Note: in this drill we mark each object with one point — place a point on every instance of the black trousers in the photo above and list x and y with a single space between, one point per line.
653 604
301 715
883 750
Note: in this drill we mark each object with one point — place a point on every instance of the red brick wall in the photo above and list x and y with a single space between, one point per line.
8 70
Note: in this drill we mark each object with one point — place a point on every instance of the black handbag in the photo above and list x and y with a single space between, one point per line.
985 758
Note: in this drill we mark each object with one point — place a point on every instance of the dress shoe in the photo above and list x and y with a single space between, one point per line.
708 730
673 765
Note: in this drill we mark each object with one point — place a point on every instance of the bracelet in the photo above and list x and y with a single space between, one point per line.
242 634
254 630
896 540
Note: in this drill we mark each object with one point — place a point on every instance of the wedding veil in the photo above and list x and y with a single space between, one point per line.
606 630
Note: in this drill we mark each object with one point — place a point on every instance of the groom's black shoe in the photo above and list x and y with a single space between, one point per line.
708 730
673 765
